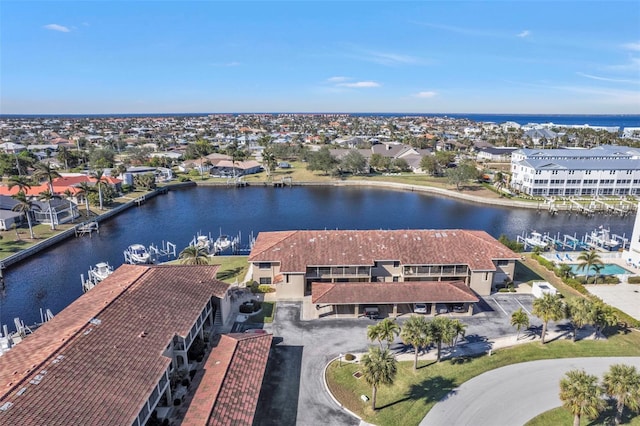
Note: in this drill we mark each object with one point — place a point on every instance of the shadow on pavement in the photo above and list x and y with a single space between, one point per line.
278 401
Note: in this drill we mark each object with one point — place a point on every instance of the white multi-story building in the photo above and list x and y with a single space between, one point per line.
605 170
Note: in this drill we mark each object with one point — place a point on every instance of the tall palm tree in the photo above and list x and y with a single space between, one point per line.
85 190
444 330
25 206
581 312
100 178
587 259
194 255
44 171
22 182
622 383
64 155
549 307
385 331
415 332
48 196
519 319
603 316
69 196
379 367
580 394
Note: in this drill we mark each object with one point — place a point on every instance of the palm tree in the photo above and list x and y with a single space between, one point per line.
385 330
22 182
581 312
603 316
597 269
519 319
69 196
444 330
44 171
194 255
98 175
64 155
379 367
48 196
549 307
415 332
586 260
622 383
580 394
85 189
25 206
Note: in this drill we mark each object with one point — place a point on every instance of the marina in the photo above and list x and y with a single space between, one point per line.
600 239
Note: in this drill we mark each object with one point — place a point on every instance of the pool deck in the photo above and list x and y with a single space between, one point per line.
623 296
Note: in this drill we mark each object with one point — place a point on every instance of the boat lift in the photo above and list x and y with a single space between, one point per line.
166 250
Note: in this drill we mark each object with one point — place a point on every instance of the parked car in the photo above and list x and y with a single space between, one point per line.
255 331
458 308
372 312
420 308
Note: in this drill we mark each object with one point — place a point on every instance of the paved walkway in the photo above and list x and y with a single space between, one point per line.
514 394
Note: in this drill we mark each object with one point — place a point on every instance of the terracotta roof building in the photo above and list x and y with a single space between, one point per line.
299 263
108 358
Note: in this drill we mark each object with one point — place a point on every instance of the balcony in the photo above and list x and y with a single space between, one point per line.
436 271
339 272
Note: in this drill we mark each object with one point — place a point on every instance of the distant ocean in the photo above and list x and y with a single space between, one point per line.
613 120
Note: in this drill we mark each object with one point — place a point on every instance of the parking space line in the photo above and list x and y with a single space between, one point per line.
500 306
525 309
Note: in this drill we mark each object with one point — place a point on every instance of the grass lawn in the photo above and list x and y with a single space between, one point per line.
562 416
412 395
232 268
266 315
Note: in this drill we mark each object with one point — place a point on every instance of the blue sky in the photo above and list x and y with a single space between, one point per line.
330 56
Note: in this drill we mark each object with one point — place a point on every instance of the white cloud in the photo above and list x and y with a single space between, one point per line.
632 46
337 79
425 95
360 84
613 80
524 34
56 27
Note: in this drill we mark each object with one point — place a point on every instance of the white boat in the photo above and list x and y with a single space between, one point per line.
96 274
222 243
601 237
535 239
202 241
137 254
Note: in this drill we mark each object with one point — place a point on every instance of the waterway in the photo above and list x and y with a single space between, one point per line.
51 279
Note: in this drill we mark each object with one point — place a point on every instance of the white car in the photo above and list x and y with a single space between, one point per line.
420 308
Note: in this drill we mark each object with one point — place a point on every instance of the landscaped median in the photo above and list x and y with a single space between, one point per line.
413 394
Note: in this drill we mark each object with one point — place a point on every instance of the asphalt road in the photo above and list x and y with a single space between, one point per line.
514 394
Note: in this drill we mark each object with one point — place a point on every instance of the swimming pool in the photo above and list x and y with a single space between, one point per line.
609 269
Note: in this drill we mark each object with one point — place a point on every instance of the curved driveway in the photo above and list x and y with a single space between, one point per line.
514 394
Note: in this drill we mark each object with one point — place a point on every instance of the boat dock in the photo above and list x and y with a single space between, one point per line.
620 207
87 228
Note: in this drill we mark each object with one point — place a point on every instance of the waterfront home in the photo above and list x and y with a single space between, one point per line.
58 210
238 168
498 154
114 356
350 269
605 170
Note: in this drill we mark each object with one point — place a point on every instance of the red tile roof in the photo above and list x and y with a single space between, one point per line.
295 250
60 185
102 373
229 390
402 292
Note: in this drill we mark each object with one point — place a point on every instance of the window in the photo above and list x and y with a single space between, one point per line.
396 264
503 262
264 265
265 280
395 278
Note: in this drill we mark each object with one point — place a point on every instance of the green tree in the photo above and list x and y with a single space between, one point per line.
354 162
47 196
44 171
203 148
429 164
445 158
102 158
520 320
322 160
269 161
581 313
580 394
384 331
586 260
461 175
549 307
22 182
100 178
85 188
415 332
444 330
194 255
603 316
622 383
64 156
379 163
379 367
25 206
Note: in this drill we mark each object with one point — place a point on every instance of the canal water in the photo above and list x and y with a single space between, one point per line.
51 279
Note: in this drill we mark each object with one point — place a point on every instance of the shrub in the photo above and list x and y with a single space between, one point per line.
349 357
503 290
544 262
183 179
634 280
575 284
265 288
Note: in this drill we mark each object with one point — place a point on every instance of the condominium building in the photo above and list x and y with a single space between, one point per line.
350 269
605 170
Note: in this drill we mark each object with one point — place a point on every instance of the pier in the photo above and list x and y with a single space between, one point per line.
87 228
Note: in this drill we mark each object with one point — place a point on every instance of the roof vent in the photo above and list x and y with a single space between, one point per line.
143 334
6 406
